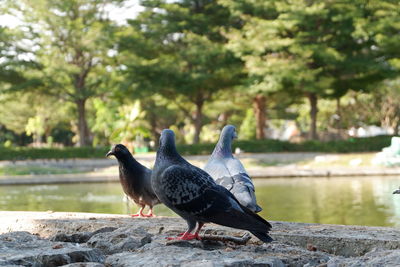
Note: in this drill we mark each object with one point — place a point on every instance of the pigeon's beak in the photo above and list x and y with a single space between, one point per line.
235 135
110 153
397 191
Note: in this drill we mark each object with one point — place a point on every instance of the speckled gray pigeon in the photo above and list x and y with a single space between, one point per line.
229 172
193 194
135 180
397 191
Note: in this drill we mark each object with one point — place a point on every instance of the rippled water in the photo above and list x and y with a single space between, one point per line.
350 200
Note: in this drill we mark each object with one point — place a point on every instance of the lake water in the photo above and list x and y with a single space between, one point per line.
350 200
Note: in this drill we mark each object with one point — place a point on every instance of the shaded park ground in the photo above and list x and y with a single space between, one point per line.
259 165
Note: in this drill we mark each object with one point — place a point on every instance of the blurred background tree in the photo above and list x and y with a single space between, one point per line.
177 50
273 68
74 40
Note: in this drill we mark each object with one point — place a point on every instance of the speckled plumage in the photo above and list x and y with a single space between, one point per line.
135 178
193 194
229 172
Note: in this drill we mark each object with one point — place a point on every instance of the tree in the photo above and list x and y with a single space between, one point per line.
177 50
74 39
310 47
33 114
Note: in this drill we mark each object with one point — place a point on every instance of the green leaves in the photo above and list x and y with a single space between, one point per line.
177 50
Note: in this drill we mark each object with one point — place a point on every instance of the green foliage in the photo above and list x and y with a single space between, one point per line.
310 48
248 126
264 146
118 123
195 63
177 50
72 44
255 146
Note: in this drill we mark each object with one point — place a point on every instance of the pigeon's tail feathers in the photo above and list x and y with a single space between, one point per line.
227 211
263 237
257 217
246 197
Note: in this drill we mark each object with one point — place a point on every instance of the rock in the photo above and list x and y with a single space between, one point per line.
122 239
23 248
141 241
342 240
157 254
81 237
84 264
376 257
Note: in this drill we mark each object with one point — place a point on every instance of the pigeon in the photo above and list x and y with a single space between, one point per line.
135 180
193 194
229 172
397 191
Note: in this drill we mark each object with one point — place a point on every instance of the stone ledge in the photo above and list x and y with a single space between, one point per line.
124 241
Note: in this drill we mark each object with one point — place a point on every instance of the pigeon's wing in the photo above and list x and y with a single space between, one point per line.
227 172
184 187
242 186
218 170
192 191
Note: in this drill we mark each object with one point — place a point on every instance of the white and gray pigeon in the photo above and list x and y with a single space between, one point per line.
193 194
135 180
397 191
229 172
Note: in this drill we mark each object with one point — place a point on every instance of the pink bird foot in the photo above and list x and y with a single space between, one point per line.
185 236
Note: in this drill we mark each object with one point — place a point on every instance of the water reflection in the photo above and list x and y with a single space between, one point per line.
352 201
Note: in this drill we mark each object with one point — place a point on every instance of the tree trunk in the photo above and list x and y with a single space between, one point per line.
260 113
312 97
396 127
198 121
82 123
338 119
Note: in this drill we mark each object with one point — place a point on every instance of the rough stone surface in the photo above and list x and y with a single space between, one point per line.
82 237
186 253
23 248
94 240
84 264
122 239
376 257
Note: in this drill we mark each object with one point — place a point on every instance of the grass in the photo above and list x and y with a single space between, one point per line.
36 170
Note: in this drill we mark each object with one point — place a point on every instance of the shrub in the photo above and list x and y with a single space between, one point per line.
367 144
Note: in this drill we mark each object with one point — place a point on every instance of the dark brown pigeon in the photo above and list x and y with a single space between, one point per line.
135 180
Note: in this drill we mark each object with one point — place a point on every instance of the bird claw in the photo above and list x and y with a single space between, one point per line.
141 215
185 236
148 215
